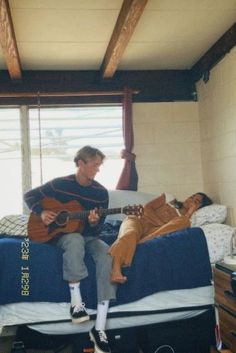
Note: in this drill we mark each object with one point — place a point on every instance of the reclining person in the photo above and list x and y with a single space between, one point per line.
161 216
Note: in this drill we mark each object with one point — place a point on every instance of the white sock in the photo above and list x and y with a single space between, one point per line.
102 310
75 293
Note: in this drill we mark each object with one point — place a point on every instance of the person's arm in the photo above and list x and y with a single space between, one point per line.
33 200
194 207
34 197
176 224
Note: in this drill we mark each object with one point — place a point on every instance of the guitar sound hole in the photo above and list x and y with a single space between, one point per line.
62 218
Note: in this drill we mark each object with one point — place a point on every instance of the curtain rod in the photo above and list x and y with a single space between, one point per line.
63 94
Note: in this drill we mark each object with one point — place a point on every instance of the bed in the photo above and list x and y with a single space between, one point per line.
170 277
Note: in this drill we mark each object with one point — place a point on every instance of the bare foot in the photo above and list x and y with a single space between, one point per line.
118 278
116 275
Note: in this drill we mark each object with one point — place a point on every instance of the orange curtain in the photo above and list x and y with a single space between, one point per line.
129 177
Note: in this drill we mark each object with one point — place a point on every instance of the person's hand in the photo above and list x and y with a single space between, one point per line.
48 217
193 206
93 217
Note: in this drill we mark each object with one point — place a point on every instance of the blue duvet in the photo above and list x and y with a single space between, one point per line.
32 272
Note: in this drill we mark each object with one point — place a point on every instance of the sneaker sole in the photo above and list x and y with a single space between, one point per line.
96 348
81 319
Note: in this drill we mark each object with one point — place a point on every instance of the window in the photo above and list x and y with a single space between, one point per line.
11 162
55 137
57 133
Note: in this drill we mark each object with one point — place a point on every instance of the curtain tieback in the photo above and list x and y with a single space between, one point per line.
129 156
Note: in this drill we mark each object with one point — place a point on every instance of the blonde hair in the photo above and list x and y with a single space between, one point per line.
87 153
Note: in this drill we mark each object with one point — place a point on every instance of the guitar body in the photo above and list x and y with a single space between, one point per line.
69 218
39 232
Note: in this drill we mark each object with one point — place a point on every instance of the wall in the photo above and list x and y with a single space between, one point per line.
167 146
217 116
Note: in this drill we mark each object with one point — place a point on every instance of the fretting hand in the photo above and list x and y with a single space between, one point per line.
93 217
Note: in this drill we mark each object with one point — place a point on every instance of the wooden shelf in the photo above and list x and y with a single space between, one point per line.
225 301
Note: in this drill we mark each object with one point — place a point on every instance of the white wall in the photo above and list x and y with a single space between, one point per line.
217 115
187 147
167 146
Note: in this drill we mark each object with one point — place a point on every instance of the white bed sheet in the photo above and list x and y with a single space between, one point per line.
115 323
45 313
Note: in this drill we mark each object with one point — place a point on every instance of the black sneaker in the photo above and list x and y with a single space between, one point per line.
78 313
100 341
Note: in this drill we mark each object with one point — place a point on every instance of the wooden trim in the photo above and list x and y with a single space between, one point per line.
214 54
8 41
128 18
153 86
62 94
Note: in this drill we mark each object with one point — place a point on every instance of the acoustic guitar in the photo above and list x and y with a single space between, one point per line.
69 219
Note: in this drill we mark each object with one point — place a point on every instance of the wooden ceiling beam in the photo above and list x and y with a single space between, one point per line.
8 41
127 20
214 55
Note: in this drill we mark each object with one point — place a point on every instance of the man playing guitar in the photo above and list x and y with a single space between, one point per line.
82 188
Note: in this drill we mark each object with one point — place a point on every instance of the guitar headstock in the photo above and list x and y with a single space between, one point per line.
135 210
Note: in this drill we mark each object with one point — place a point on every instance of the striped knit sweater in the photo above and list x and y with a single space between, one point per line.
65 189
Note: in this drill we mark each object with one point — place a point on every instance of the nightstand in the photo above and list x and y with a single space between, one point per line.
225 300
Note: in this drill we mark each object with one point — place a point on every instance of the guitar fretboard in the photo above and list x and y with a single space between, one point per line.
101 211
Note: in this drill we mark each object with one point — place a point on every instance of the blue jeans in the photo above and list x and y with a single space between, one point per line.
74 269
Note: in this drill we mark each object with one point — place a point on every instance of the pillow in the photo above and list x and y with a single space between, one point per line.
209 214
14 225
218 237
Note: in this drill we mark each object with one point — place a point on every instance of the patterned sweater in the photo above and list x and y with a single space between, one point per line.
66 189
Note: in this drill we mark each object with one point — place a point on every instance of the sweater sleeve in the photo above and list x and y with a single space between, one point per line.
34 197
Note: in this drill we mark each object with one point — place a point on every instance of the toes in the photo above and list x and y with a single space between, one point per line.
120 280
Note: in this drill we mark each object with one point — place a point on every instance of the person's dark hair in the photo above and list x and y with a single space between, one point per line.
206 201
87 153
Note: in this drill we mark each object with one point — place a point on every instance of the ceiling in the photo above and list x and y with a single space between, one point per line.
75 34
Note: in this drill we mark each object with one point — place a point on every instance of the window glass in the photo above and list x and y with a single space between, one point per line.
10 159
57 133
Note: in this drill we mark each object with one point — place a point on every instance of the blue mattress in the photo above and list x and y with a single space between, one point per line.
32 272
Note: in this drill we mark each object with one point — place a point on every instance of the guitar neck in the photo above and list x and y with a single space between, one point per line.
102 212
